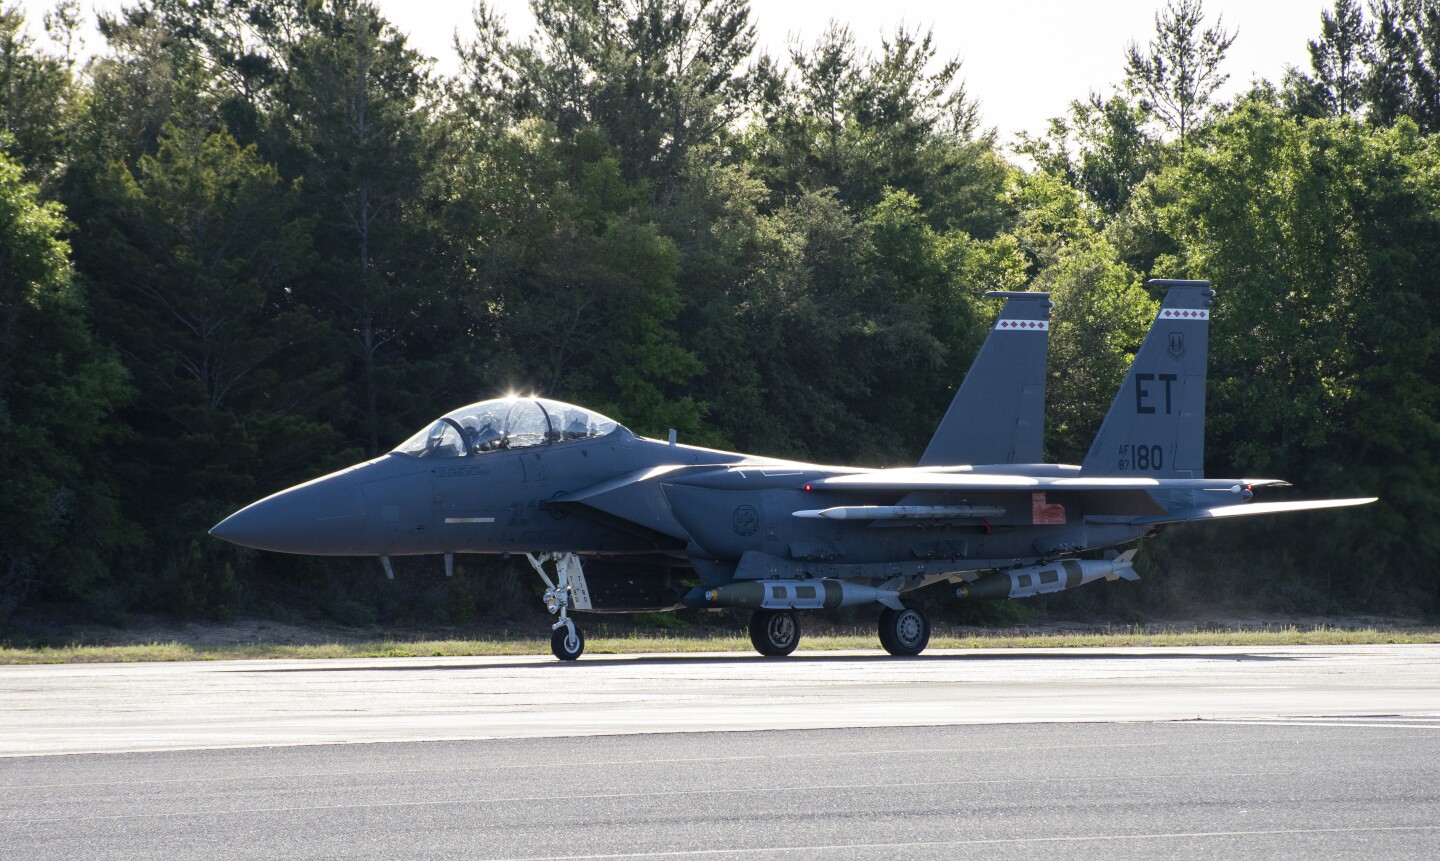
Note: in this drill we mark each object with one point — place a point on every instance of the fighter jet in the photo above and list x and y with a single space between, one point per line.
615 522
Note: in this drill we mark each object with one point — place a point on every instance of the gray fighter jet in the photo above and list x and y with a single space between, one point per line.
615 522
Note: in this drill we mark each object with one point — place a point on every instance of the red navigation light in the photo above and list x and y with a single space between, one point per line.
808 488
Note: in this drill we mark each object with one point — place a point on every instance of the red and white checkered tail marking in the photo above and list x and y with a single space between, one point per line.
1022 325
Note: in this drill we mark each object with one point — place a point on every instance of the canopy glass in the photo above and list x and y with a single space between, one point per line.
505 423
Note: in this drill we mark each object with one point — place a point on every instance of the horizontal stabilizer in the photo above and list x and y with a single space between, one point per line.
1254 508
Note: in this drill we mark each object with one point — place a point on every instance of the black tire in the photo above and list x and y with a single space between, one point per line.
887 624
563 646
904 633
774 633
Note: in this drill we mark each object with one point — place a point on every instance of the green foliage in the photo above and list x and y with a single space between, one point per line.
193 266
1102 314
36 92
1101 311
1338 57
1177 75
1324 341
1404 79
654 77
353 128
1100 149
575 279
297 243
1380 62
58 390
865 124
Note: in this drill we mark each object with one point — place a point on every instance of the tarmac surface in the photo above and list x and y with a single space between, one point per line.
1190 753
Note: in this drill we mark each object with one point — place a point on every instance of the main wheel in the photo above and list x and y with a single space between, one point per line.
565 644
904 632
775 633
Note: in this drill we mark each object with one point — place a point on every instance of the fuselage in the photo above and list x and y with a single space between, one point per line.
498 501
619 494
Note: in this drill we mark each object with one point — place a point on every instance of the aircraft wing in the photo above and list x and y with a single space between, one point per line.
1250 509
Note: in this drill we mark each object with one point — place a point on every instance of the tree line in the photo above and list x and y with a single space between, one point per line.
254 240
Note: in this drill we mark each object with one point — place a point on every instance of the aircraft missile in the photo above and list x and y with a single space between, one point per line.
791 595
1043 579
900 512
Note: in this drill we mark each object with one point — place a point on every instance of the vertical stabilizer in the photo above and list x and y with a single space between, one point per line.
998 416
1156 426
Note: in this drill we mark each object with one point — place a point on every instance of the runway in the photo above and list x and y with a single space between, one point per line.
1146 790
1118 753
80 708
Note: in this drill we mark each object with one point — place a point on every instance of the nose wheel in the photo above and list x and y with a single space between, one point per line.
774 633
567 591
566 641
904 632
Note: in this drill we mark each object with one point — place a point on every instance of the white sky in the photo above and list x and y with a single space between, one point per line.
1024 60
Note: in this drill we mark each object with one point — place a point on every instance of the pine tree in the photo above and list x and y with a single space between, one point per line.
58 390
1177 75
35 89
1340 56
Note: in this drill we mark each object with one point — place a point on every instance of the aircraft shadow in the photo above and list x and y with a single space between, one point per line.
703 660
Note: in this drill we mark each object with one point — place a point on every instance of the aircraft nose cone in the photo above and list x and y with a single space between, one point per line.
322 517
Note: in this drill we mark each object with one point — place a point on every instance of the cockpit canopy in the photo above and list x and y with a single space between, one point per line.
505 423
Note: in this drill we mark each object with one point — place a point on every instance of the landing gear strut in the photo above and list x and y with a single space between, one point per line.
568 590
904 632
775 633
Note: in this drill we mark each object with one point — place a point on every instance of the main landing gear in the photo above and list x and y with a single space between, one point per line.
904 632
568 590
774 633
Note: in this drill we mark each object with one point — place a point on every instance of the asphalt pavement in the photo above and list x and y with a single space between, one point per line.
1184 753
79 708
1138 790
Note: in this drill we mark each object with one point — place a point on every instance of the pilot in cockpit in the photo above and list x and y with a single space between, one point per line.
576 426
482 433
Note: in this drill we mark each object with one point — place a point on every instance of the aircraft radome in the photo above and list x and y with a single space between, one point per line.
614 522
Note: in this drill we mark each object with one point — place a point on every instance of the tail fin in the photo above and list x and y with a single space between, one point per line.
1124 567
998 416
1156 426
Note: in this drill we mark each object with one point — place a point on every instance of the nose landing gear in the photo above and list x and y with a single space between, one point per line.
566 641
568 590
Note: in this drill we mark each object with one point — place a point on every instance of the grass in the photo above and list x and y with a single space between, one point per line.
643 643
